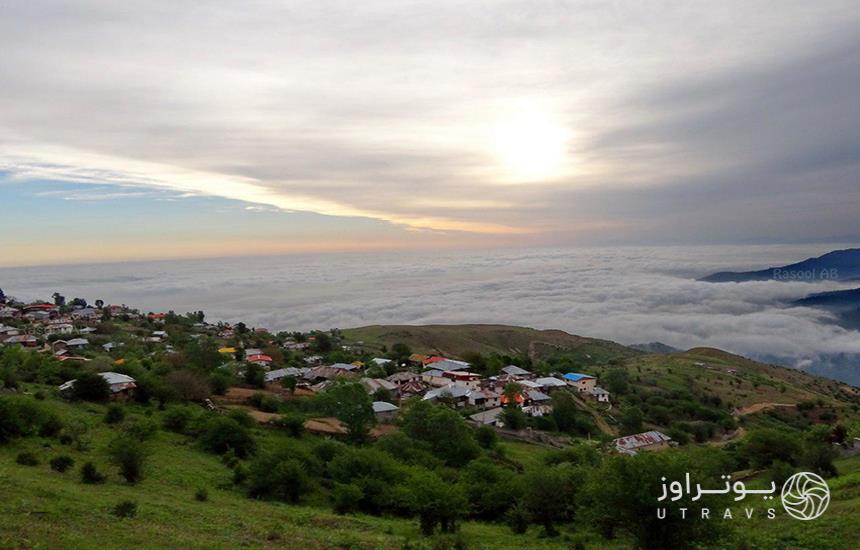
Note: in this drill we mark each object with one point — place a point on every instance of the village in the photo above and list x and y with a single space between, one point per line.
70 332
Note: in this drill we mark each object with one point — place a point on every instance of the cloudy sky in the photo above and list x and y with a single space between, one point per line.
175 129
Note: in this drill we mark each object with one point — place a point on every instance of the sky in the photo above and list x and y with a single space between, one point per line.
173 129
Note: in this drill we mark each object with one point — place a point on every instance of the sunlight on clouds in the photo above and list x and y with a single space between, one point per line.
530 144
40 162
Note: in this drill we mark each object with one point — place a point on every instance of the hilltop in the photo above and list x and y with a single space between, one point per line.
456 340
841 265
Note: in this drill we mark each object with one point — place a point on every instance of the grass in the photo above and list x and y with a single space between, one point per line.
42 508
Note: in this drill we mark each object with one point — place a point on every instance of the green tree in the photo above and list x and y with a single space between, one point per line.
90 386
435 502
444 430
631 420
349 403
550 495
129 454
616 381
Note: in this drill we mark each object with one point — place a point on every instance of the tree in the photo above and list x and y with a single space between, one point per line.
444 430
489 488
59 299
322 342
90 386
565 412
435 502
222 434
514 418
550 495
100 304
128 454
349 403
255 375
189 385
511 391
622 495
289 382
400 352
2 297
631 420
281 474
762 447
616 381
486 437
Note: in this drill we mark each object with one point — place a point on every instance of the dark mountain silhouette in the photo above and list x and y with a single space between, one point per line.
840 265
845 304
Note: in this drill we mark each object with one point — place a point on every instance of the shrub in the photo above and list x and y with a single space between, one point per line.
346 497
51 426
62 463
39 395
201 495
125 509
178 419
486 437
264 402
293 424
90 475
189 385
222 434
518 518
115 414
129 454
142 429
281 475
242 417
20 417
91 387
27 459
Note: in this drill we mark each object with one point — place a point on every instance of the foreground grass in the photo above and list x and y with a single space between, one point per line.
41 508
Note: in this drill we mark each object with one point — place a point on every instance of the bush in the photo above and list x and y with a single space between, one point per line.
125 509
27 459
142 429
518 519
115 414
129 454
346 498
51 426
91 387
264 402
293 424
90 475
20 417
178 419
486 437
242 417
62 463
221 434
201 495
281 479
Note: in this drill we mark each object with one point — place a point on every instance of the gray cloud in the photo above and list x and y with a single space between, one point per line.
703 130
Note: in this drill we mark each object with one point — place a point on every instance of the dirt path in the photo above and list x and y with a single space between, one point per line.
601 422
758 407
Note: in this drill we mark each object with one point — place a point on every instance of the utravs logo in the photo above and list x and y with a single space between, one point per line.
805 496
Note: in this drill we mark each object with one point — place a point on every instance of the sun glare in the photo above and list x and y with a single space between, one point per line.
530 145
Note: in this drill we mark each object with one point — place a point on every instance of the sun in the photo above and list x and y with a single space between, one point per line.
530 145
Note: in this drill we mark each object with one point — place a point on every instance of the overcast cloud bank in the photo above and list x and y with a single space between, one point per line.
626 294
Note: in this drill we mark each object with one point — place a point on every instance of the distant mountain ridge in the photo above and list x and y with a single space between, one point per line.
845 304
654 347
838 265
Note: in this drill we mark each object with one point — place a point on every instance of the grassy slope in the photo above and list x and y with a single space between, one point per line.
41 508
454 340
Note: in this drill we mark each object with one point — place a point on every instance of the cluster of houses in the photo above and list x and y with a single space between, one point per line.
448 381
62 331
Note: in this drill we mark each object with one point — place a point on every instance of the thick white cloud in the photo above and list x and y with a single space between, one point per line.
626 294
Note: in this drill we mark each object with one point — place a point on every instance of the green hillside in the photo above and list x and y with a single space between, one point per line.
456 340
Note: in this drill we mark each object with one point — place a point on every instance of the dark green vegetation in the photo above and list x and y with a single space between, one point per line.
162 467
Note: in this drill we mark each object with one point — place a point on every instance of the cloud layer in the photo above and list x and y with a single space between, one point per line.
626 294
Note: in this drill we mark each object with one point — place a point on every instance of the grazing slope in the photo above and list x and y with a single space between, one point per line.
843 265
455 340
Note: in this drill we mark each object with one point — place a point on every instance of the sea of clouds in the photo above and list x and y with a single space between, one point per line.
626 294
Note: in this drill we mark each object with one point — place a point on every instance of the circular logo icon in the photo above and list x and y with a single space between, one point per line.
805 496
